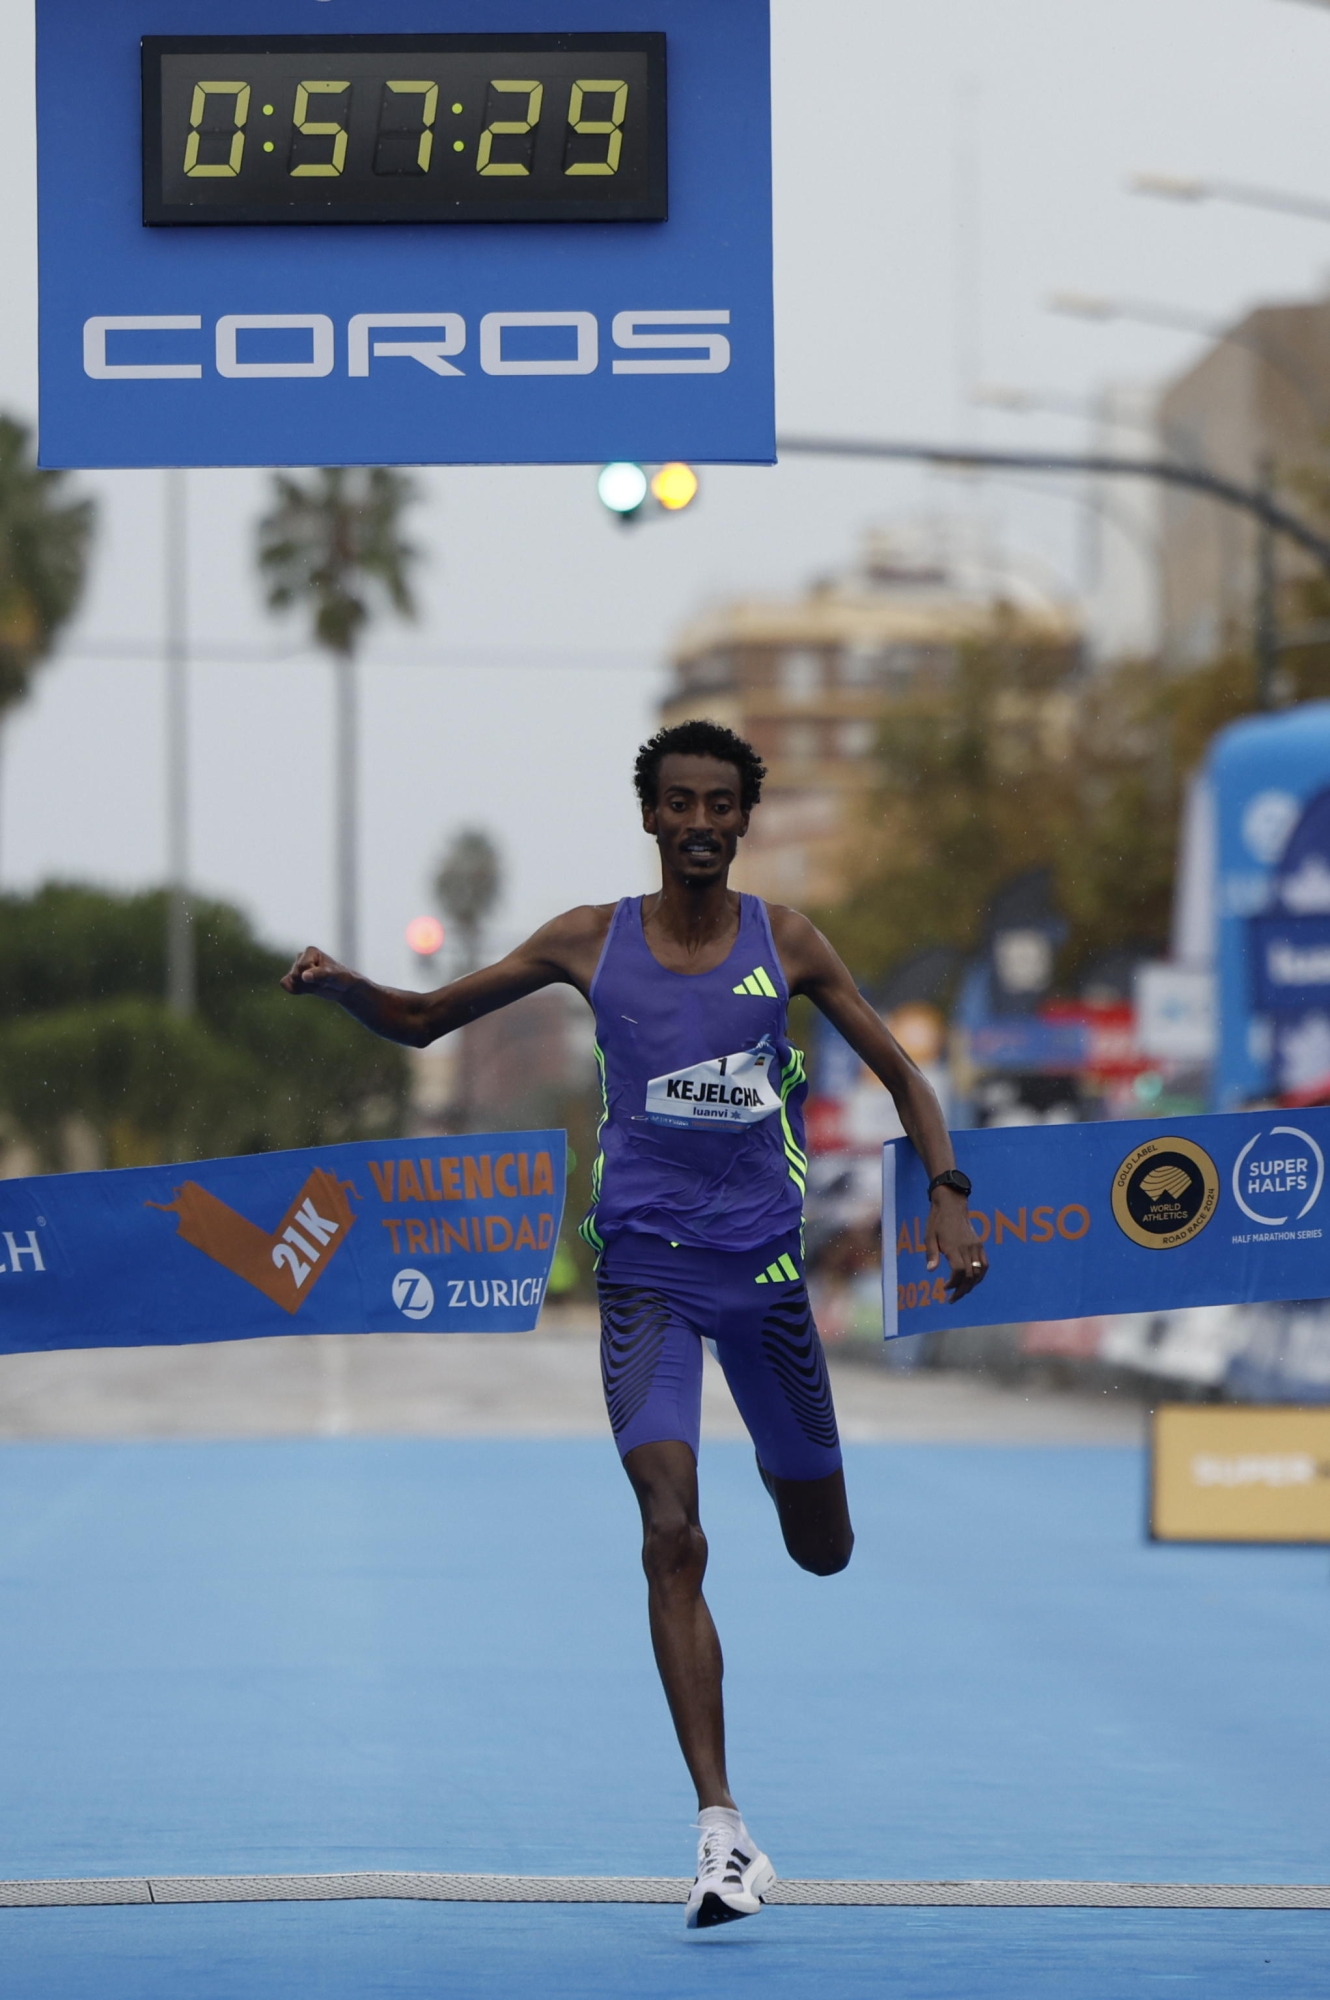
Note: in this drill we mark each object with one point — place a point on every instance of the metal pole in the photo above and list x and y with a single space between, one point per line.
1170 472
1092 512
347 843
1267 607
967 275
181 981
1089 306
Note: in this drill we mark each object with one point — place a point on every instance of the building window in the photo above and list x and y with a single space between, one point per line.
856 739
713 670
801 742
861 665
799 673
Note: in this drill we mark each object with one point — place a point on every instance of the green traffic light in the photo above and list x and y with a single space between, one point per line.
622 487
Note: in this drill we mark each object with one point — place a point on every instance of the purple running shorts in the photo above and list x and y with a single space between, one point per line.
659 1301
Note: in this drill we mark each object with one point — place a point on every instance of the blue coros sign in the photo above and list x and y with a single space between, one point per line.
473 231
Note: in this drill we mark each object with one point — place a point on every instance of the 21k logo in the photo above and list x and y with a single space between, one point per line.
286 1265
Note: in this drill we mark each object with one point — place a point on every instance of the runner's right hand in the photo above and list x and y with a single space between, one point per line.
315 972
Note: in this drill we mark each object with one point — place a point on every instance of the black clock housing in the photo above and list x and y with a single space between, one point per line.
404 128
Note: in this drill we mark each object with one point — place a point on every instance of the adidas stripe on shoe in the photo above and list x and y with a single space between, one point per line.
733 1875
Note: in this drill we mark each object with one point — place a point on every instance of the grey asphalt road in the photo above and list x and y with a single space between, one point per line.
484 1385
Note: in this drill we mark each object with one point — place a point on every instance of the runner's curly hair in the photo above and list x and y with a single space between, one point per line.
699 739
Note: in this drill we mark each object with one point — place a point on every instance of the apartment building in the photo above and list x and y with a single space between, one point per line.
1259 396
810 681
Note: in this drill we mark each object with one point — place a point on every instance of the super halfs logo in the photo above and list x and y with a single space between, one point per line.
1165 1192
1285 1170
284 1264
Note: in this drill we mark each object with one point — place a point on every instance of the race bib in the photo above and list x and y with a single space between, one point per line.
731 1090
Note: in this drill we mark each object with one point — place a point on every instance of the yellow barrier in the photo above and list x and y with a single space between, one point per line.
1240 1474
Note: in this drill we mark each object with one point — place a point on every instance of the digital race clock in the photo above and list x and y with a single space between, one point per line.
404 128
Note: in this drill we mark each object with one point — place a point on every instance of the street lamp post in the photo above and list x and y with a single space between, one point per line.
1180 319
1267 619
1251 500
1086 409
1093 410
1256 501
1198 188
1090 306
1037 402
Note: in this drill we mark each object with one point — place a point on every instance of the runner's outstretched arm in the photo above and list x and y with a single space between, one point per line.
563 951
813 968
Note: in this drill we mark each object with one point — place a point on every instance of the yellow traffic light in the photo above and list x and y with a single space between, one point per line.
675 486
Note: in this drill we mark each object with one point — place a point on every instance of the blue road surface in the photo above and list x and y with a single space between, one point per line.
403 1654
399 1951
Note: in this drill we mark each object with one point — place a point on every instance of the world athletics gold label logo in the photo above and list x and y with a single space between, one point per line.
1165 1192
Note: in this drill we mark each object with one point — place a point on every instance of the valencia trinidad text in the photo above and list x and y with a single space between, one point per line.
474 1182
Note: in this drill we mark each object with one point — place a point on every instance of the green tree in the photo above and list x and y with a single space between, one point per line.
85 1036
43 558
333 547
1021 761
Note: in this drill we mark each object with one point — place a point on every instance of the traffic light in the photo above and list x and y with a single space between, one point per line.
622 488
625 490
674 487
424 935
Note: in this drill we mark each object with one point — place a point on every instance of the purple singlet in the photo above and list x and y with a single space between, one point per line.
702 1139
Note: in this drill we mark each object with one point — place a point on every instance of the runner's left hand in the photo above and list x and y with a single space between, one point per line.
950 1234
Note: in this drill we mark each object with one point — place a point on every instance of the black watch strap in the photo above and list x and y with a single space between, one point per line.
952 1178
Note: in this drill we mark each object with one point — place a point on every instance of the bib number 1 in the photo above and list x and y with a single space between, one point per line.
733 1090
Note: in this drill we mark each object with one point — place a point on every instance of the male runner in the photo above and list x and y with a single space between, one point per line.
696 1203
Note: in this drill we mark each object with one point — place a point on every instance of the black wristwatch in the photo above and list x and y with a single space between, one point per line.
953 1178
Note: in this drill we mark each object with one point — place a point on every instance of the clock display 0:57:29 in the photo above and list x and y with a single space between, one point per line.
404 128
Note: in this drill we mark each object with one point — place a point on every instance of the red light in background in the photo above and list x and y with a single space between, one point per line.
425 936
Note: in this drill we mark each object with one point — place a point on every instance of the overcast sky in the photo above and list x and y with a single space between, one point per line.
518 699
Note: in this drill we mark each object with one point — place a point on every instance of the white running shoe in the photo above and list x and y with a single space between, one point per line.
733 1876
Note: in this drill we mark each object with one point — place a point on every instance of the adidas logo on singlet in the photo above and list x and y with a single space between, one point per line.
758 985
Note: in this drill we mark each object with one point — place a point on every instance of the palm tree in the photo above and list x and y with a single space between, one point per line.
334 546
43 559
467 884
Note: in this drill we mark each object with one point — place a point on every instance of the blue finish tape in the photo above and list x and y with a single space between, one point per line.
1141 1215
442 1234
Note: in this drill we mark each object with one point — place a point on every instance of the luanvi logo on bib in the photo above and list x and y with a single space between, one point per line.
1165 1192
